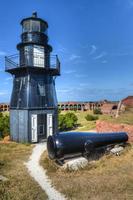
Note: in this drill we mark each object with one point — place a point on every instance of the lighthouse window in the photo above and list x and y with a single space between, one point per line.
41 89
26 26
38 53
43 29
35 26
31 25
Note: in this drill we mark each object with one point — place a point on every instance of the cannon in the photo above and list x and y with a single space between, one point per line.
65 144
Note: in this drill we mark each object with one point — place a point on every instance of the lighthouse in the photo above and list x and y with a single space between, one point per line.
33 105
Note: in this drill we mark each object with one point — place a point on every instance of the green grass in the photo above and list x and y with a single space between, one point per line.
20 186
84 125
124 118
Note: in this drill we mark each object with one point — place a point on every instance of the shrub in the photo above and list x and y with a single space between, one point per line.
4 125
71 120
97 111
67 121
61 122
91 117
59 110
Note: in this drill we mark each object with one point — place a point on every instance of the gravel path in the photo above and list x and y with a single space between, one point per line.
39 174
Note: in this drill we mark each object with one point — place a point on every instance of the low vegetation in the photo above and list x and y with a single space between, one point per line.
106 179
67 121
97 111
91 117
124 118
85 125
110 178
82 123
19 186
4 125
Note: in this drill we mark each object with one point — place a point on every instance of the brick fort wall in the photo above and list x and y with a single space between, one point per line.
104 126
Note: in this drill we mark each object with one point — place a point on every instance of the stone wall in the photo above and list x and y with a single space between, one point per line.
104 126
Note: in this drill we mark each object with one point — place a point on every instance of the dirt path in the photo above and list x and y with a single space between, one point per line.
39 174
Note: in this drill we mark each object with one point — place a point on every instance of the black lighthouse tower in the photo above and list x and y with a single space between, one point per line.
33 106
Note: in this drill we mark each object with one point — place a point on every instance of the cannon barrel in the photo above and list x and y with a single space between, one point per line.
61 144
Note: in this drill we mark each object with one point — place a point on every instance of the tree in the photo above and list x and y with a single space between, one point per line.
59 110
4 125
71 120
61 122
67 121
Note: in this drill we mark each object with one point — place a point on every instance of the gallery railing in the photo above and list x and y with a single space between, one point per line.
32 60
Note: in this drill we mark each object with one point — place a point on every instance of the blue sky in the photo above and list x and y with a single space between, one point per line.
94 41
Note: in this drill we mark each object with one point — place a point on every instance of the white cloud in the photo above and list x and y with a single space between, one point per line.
104 61
69 71
89 93
93 49
74 57
119 54
63 90
3 93
1 70
2 53
6 83
9 78
84 84
61 49
101 55
131 84
79 61
81 75
130 3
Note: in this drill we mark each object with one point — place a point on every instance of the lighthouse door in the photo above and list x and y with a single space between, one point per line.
33 128
41 127
38 56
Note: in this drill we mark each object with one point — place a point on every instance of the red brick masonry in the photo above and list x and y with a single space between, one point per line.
104 126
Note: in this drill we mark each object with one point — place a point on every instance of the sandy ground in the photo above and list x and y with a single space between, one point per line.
91 131
39 174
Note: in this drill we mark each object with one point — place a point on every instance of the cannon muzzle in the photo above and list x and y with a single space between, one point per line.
63 144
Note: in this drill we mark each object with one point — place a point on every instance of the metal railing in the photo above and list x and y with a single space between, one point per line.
28 59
